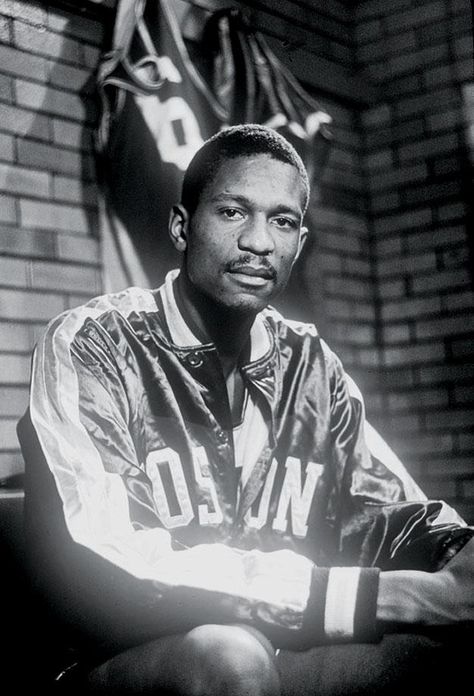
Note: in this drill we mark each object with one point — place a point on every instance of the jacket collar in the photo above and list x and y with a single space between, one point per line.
182 335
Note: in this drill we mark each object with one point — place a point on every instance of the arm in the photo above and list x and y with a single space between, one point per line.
429 599
423 548
118 583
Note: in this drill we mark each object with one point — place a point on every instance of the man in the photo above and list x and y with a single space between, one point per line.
203 506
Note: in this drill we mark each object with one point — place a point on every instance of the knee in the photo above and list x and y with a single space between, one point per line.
229 660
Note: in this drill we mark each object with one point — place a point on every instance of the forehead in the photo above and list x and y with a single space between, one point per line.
260 177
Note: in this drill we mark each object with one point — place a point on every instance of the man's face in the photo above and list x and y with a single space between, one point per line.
246 233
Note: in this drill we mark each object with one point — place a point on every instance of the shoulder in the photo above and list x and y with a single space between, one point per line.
105 310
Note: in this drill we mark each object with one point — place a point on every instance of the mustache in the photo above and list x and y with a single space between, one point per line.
258 262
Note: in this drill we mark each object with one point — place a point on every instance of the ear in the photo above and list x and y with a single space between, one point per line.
178 227
302 240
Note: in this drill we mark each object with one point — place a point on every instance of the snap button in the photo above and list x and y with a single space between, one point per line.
194 360
222 437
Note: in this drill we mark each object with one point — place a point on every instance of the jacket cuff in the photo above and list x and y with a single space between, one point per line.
342 606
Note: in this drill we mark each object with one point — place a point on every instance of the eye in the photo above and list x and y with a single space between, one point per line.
285 223
232 213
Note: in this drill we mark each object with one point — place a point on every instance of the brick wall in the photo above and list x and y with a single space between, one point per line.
418 174
48 211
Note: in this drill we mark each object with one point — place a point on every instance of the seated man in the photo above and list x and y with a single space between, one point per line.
206 508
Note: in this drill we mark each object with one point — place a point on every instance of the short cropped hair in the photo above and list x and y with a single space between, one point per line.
237 141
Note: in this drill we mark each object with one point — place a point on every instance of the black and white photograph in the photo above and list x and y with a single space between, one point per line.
236 347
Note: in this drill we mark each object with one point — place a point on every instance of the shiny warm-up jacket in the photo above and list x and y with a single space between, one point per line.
136 506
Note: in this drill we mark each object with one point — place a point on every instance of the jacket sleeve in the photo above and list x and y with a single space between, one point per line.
383 517
116 585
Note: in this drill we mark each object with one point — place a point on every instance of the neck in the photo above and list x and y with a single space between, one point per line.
228 329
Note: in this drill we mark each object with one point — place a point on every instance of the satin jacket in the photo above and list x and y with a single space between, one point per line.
129 449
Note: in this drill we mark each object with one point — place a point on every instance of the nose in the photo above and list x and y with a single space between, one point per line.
256 236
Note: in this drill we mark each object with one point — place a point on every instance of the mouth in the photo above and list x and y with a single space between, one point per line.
252 276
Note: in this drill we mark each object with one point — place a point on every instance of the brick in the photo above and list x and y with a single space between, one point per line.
432 443
446 120
30 13
404 423
458 301
82 249
46 43
341 242
463 395
427 102
366 31
25 305
454 466
440 75
6 88
75 191
90 56
429 147
5 30
27 242
70 134
11 464
463 47
453 418
407 264
15 337
14 369
390 289
356 266
446 165
411 308
439 489
82 27
464 70
13 271
466 441
329 262
421 398
411 219
55 159
349 287
457 256
6 147
446 373
441 237
378 7
45 98
355 334
7 209
442 280
399 175
367 357
389 246
399 333
24 181
385 201
70 77
24 123
53 216
13 401
462 347
452 211
67 277
444 326
407 355
422 14
22 64
417 195
8 436
406 85
379 160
